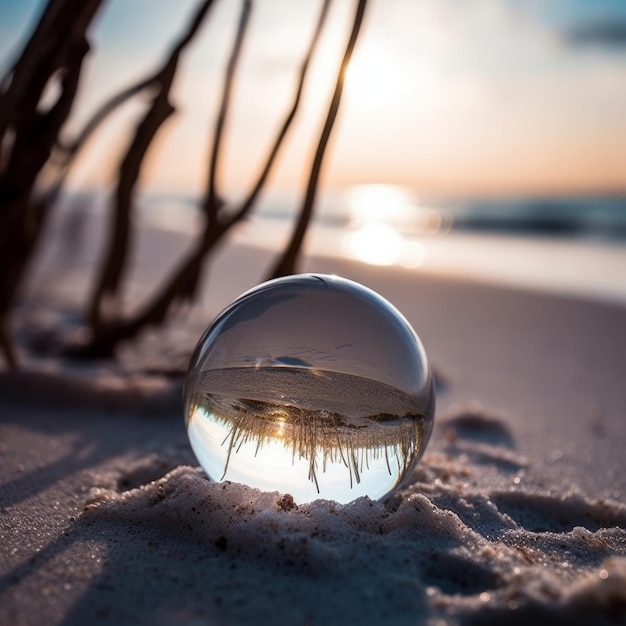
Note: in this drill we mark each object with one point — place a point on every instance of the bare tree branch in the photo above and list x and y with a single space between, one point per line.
116 257
249 201
62 22
55 52
71 150
119 237
212 201
287 262
183 283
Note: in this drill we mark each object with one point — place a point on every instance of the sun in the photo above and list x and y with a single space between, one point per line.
376 76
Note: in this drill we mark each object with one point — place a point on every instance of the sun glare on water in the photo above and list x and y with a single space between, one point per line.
379 215
376 244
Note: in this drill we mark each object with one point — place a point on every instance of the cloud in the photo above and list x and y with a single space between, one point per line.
609 34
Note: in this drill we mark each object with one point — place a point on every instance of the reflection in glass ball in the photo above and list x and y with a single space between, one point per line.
312 385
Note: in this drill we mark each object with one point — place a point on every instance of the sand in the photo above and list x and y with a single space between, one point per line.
515 513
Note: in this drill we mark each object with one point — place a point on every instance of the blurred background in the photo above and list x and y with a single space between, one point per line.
484 139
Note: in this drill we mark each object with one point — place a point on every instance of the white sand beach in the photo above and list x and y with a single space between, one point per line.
464 160
515 513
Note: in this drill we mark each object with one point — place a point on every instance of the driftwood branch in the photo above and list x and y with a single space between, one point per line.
116 257
212 202
28 133
287 262
62 23
30 138
183 283
69 151
250 199
106 334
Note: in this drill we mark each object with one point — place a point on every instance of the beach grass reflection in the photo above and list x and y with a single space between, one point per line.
308 452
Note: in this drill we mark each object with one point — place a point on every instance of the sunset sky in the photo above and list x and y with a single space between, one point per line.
445 96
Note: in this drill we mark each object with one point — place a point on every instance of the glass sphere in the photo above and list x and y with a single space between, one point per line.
311 385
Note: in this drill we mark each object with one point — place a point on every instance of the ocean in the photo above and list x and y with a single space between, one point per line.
574 245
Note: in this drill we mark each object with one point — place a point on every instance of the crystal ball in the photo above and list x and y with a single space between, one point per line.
311 385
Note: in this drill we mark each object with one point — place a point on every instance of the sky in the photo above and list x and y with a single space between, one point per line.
447 97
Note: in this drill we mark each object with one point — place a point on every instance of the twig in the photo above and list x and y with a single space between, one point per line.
249 201
115 260
69 151
55 51
212 202
287 262
183 283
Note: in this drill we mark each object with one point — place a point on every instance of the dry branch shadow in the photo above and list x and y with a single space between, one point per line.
150 575
28 402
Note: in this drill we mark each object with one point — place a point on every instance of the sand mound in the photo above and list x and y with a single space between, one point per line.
443 547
